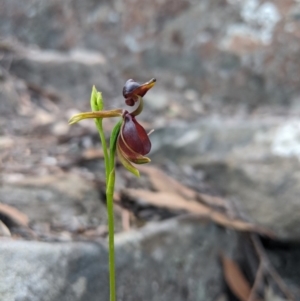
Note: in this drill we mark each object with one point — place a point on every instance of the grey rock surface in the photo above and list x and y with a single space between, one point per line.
254 164
71 75
37 271
67 200
223 49
8 97
58 25
243 53
174 260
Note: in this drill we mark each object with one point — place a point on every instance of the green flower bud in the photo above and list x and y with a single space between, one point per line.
94 94
100 103
96 100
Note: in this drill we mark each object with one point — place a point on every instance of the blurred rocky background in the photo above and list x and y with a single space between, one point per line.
217 214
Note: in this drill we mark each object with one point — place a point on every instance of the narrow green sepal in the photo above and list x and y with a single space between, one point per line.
114 136
127 164
140 160
113 142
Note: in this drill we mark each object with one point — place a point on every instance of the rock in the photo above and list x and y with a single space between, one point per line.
225 49
222 49
71 75
56 25
255 164
65 271
8 97
150 265
6 142
55 199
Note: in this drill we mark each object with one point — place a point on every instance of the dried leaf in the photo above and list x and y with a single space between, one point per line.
14 215
100 231
176 202
92 154
235 279
125 220
238 224
166 200
212 200
162 182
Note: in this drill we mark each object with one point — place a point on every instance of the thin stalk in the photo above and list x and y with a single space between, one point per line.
110 186
110 208
113 144
111 244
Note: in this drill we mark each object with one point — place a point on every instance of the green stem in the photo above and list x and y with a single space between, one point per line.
110 187
98 123
110 207
111 247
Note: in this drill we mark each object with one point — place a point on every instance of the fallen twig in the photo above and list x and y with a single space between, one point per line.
257 282
268 267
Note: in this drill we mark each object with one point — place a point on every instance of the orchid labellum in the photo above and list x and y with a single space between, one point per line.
133 142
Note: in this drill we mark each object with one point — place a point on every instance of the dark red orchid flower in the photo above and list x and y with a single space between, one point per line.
132 90
133 141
